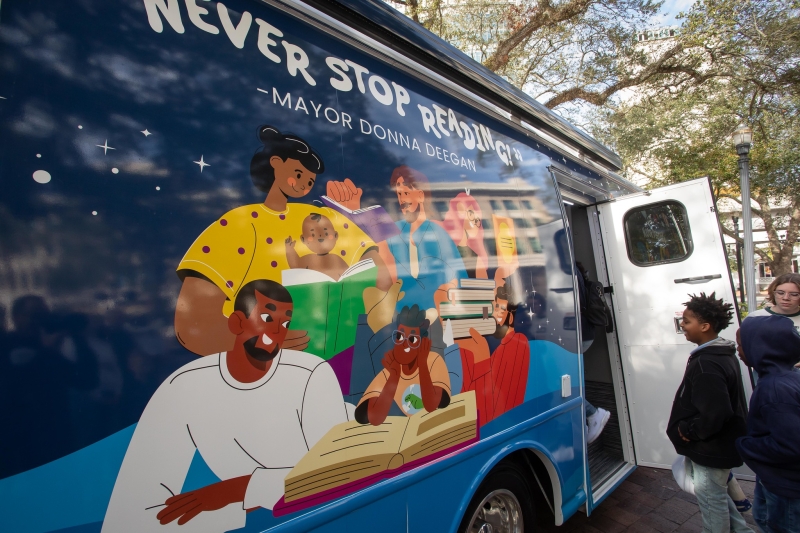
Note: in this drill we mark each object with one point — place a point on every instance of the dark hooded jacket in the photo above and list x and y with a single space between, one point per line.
710 407
772 445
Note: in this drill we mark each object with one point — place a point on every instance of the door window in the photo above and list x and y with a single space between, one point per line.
658 233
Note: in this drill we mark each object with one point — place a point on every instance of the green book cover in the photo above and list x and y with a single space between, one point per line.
328 309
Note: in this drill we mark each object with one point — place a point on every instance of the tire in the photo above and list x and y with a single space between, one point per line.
503 503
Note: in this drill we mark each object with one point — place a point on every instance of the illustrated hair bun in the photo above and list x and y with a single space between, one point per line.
269 134
274 143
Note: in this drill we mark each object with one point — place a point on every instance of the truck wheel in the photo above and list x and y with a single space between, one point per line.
502 504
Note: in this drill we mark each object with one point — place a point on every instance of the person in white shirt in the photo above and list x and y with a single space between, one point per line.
783 297
251 413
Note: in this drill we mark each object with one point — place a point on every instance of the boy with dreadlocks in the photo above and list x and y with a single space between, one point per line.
708 412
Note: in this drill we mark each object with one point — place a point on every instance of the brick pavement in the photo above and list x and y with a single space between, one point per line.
649 501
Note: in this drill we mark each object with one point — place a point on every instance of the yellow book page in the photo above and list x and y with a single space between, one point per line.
429 433
348 452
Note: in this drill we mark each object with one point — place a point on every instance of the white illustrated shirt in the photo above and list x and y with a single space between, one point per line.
261 428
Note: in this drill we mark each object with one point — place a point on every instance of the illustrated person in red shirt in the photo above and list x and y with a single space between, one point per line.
498 380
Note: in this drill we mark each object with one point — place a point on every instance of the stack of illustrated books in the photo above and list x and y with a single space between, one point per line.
352 456
470 306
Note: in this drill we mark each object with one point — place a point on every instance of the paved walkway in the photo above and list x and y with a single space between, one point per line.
649 501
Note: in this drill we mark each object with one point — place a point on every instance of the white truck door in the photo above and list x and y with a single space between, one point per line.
660 247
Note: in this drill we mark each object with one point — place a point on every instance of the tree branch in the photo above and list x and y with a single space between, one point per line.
545 14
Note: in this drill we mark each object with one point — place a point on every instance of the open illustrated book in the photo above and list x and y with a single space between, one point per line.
326 308
373 220
352 456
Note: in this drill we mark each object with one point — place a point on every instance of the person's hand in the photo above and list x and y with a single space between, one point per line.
681 434
391 364
345 193
422 354
184 507
380 305
290 242
296 339
442 295
476 344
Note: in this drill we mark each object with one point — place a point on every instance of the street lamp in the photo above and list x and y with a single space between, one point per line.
743 138
738 257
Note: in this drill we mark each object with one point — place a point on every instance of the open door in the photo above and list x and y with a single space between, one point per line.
660 247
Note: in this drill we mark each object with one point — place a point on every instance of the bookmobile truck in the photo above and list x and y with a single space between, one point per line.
302 266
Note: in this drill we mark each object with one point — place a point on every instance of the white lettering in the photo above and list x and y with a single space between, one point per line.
452 123
360 71
486 134
502 150
195 14
428 149
339 68
346 120
236 34
375 129
297 61
300 105
171 12
415 146
287 101
402 97
469 138
428 120
404 140
315 108
364 122
481 147
385 96
440 116
335 113
264 42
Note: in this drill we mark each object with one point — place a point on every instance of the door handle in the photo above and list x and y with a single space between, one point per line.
698 278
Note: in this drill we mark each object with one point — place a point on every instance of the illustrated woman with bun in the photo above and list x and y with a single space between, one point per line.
248 243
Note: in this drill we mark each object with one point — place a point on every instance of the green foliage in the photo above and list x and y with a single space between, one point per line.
751 54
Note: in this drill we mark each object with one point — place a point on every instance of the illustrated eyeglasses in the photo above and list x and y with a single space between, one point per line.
399 337
473 218
794 295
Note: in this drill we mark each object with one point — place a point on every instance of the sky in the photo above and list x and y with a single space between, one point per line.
670 10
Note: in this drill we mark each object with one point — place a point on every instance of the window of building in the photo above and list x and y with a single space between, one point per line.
522 223
442 207
658 233
491 247
510 205
527 205
495 205
536 246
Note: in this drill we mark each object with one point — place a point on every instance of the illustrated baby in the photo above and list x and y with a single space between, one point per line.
320 237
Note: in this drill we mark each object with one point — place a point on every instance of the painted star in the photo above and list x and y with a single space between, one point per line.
146 133
105 147
201 163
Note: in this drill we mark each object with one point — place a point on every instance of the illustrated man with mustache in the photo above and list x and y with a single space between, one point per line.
425 256
250 413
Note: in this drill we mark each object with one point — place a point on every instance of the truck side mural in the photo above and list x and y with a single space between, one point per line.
252 269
